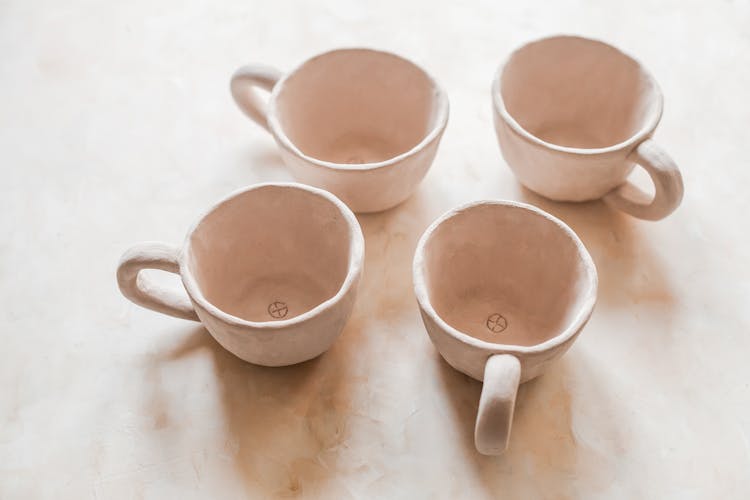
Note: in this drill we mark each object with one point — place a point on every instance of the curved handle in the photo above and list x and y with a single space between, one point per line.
142 291
243 84
502 374
667 181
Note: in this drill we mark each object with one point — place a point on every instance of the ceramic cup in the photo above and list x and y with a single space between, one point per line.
360 123
574 116
504 289
271 271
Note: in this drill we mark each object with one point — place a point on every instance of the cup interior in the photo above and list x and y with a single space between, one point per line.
580 93
271 253
507 274
358 106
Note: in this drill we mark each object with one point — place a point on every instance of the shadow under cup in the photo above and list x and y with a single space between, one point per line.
579 93
270 254
357 106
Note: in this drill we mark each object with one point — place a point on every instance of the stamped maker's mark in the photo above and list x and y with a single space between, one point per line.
496 323
278 309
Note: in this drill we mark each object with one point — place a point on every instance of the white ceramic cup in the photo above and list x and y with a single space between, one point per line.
360 123
271 271
504 289
574 116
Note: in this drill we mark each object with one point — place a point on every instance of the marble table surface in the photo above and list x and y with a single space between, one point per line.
116 126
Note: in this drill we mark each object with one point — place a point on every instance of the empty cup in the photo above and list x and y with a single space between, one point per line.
363 124
271 271
504 289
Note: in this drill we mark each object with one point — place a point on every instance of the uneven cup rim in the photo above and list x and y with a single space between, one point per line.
644 132
354 267
584 310
441 119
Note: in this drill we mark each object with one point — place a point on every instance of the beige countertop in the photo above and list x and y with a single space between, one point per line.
116 126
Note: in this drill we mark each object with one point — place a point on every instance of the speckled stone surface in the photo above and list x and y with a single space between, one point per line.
116 126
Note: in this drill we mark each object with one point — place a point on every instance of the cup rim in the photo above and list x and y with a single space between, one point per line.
356 259
441 120
645 131
582 316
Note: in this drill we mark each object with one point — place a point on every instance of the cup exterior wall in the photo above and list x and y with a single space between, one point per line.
282 346
370 189
560 175
470 359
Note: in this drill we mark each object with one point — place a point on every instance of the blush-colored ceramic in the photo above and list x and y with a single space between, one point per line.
574 116
504 289
360 123
271 271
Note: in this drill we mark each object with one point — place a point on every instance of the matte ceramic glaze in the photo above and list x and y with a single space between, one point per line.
360 123
574 116
504 289
271 271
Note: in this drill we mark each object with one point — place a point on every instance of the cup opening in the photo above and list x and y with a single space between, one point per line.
271 253
506 274
358 106
575 92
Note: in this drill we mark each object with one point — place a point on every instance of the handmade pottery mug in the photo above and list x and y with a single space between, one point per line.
360 123
271 271
504 289
574 116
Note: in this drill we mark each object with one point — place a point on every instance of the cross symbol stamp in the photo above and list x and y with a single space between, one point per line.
278 309
496 323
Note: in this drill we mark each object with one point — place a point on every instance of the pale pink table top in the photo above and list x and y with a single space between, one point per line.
116 126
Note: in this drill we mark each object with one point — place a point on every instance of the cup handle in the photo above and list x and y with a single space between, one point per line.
140 290
243 84
502 374
665 176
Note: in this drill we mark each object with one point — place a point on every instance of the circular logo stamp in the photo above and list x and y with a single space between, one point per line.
278 309
496 323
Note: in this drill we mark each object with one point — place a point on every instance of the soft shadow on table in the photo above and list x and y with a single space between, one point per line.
286 427
390 240
544 448
285 424
629 269
267 156
265 163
